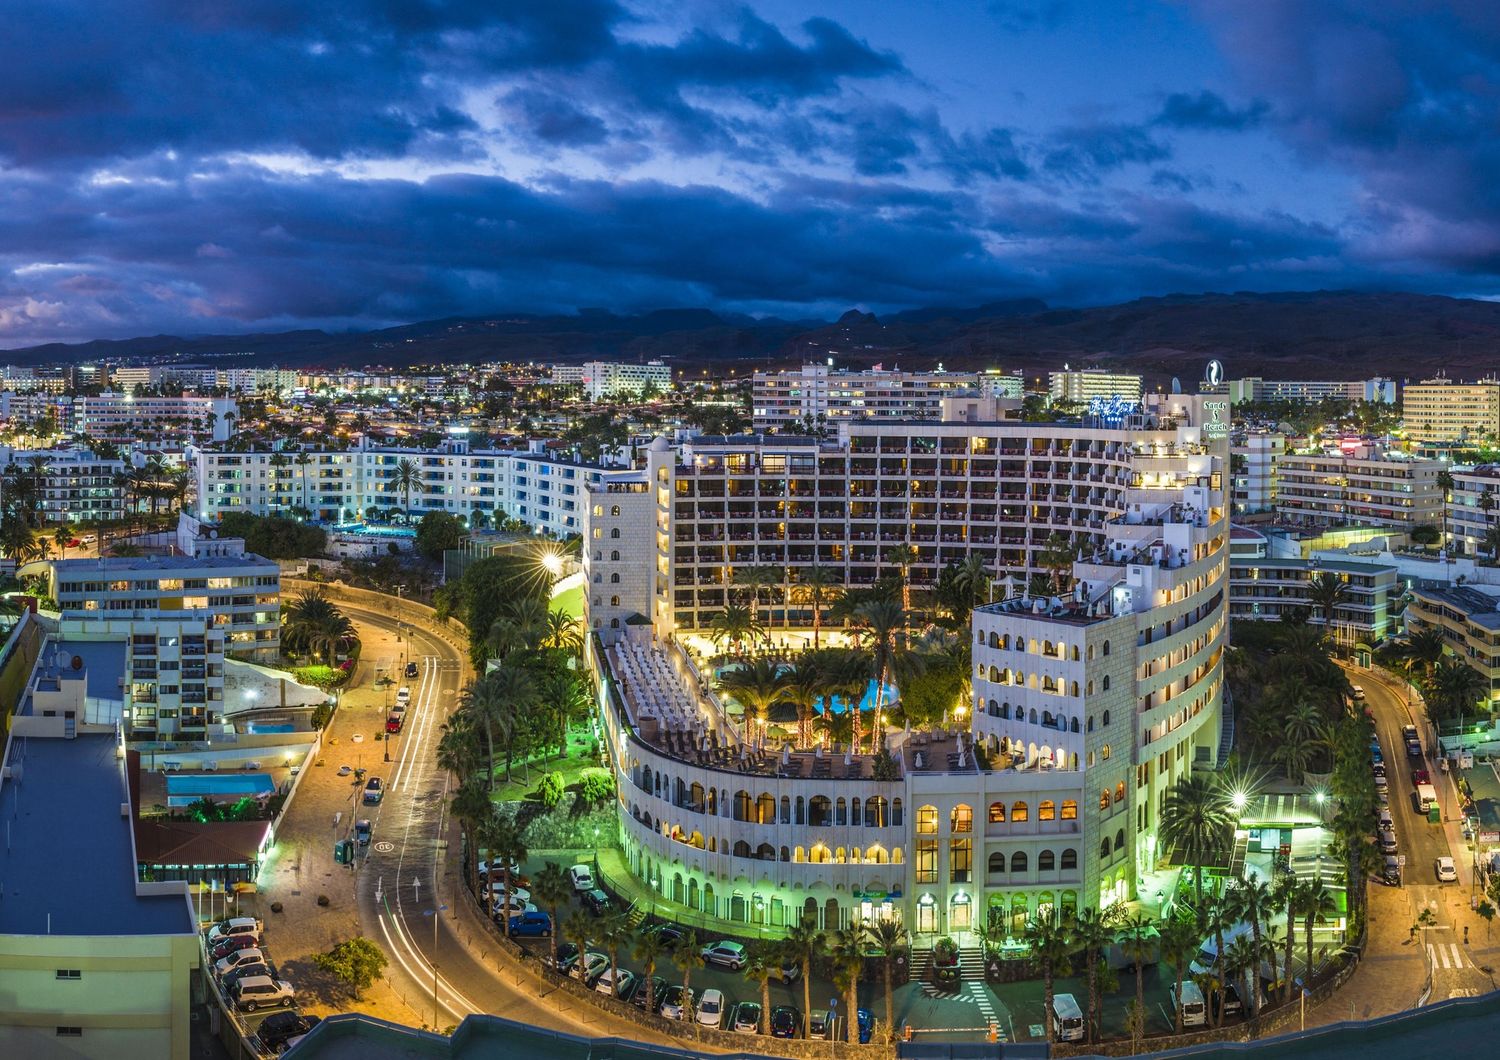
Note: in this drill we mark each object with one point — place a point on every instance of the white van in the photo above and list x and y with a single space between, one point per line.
1067 1018
403 697
1194 1011
1207 959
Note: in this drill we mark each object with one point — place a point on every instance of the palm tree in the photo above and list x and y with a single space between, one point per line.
60 537
1057 556
504 840
817 587
407 477
757 686
648 949
1241 965
804 687
471 807
1317 903
615 930
1445 483
1138 939
551 887
1051 945
1091 934
1491 542
755 579
804 945
1256 902
1327 592
763 964
972 585
1196 819
582 931
889 936
734 626
1288 896
687 955
510 695
902 557
1456 688
848 955
880 630
457 750
1179 941
563 633
488 712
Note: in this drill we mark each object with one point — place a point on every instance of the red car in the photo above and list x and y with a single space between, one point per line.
1420 776
393 722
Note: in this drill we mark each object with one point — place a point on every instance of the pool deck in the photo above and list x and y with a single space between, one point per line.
154 782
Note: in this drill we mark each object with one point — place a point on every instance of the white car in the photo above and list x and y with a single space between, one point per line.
403 696
514 896
674 1005
1447 872
711 1008
496 868
582 877
588 970
238 959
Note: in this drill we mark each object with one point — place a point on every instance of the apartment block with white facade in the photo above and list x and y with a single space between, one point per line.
1253 456
619 525
815 395
1360 487
1304 391
350 485
69 485
1441 410
115 415
1085 709
1082 385
606 379
1264 589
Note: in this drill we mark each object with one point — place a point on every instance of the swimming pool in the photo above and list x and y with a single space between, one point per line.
268 727
229 784
375 531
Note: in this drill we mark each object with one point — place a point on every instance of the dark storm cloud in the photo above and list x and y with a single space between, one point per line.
1208 110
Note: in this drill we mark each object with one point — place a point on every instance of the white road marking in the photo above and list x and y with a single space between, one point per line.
1458 956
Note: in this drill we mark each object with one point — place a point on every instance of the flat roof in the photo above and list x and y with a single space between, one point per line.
1314 565
125 564
1479 608
69 868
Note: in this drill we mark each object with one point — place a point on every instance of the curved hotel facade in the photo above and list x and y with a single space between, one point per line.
1085 708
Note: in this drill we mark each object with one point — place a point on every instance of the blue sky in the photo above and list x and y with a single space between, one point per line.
223 168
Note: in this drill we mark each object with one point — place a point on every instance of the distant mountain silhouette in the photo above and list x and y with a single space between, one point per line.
1308 335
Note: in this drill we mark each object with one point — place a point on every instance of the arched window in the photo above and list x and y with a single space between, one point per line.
1104 849
1106 717
1046 810
1104 799
927 818
1018 861
1105 684
614 579
1120 792
897 816
614 510
840 811
1120 840
961 819
1069 859
997 862
1106 647
995 674
1091 717
1019 812
1075 653
1104 752
614 601
615 532
1073 725
614 554
1069 810
994 640
742 849
875 812
997 813
1046 861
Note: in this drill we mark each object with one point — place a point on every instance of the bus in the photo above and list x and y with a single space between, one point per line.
1067 1018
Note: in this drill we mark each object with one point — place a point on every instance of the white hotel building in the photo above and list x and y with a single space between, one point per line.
347 485
816 395
1085 709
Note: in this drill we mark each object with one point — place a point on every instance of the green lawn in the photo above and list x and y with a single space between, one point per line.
570 602
581 742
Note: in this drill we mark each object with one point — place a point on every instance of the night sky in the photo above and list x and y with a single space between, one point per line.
207 167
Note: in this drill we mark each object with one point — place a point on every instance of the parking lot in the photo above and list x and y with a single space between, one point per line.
239 966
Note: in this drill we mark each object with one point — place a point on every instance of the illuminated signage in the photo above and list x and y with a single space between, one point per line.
1218 419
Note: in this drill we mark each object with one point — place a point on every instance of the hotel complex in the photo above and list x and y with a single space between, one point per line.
1044 793
816 396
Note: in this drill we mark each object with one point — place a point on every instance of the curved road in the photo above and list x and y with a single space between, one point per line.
408 887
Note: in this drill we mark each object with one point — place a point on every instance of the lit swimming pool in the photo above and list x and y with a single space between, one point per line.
268 727
375 531
228 784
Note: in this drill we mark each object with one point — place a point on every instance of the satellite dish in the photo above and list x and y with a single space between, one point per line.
213 535
78 662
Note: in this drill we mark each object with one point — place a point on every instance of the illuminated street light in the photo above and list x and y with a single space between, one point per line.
1239 799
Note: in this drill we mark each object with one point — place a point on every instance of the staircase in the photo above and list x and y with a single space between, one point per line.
970 964
1226 729
1237 859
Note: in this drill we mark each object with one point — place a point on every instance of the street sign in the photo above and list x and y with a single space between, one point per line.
1401 860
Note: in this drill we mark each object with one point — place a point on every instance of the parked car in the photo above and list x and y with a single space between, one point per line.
244 971
374 791
1385 818
363 830
1420 776
1387 841
785 1021
252 955
567 956
819 1024
726 954
503 911
277 1030
532 924
1359 692
412 669
496 868
261 991
1378 770
516 894
711 1008
403 695
745 1018
791 971
658 992
675 1005
393 722
596 901
866 1026
1446 871
224 947
582 877
608 984
588 970
235 925
1391 873
669 934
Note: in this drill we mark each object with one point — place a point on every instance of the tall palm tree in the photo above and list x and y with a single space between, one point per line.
804 687
817 587
489 713
649 950
1179 941
510 694
407 477
504 840
1091 935
471 807
61 537
889 936
1241 965
1051 945
552 888
973 583
687 955
1327 591
615 931
1288 896
880 628
1254 901
1316 902
902 557
1445 483
734 626
1138 939
755 579
757 686
763 964
1197 820
1056 557
563 633
848 955
805 943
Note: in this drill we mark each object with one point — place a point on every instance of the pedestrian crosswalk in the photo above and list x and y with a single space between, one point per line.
981 998
1445 955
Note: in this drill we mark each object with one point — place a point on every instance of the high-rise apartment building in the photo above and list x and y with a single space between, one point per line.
1302 391
1440 410
1361 487
1082 385
1086 707
66 485
607 379
816 396
1253 456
